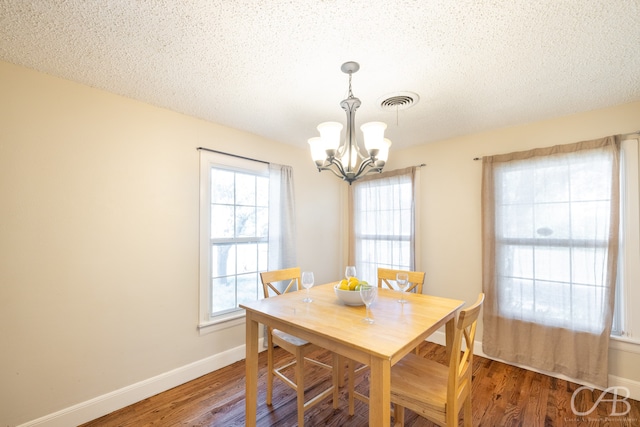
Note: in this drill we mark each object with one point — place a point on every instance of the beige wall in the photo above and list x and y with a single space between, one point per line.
99 239
450 183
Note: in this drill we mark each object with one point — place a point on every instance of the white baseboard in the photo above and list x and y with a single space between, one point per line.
614 381
117 399
631 385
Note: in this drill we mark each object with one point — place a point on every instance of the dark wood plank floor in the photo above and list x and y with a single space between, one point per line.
503 395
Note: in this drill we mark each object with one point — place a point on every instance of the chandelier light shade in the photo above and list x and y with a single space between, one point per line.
347 159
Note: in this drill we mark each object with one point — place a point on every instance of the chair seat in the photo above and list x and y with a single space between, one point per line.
288 338
420 385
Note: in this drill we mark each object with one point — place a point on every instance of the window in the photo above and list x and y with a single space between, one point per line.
247 225
383 222
239 231
234 232
548 255
552 239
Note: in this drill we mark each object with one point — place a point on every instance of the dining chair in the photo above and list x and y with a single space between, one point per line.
435 391
386 278
289 280
416 281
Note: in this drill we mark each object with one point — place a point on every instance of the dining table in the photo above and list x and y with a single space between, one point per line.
327 322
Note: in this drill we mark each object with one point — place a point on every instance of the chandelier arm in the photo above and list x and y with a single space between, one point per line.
326 163
368 162
377 169
332 161
337 164
331 170
368 171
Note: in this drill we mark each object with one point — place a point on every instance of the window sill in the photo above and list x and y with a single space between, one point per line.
218 324
625 344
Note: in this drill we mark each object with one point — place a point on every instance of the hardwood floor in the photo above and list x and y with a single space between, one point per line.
503 395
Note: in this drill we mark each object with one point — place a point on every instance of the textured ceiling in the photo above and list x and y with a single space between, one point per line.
272 67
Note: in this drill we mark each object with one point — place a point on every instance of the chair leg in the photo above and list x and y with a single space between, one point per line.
351 380
299 372
398 415
269 371
416 350
468 413
452 414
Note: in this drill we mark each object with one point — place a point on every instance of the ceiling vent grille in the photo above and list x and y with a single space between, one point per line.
398 101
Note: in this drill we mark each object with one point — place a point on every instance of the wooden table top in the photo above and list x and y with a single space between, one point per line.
397 329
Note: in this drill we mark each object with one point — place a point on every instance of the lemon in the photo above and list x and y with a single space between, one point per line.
353 282
344 285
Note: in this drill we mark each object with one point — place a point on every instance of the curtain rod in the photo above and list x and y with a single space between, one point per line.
261 161
232 155
624 135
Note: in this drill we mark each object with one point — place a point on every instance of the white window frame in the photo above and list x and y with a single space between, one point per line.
208 159
628 291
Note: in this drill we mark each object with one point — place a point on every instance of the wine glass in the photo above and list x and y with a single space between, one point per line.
307 282
368 294
402 280
350 271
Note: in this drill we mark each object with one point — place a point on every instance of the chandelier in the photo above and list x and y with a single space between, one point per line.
349 160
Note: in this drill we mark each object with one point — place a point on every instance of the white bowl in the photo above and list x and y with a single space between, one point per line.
348 297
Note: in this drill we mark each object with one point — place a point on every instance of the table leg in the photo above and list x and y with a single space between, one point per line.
251 374
340 370
380 393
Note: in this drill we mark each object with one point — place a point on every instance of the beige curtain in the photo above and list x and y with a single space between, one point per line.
382 222
282 224
550 242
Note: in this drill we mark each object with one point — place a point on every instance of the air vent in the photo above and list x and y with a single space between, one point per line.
398 101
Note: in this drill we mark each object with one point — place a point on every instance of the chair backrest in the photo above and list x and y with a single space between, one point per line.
461 361
387 275
270 278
